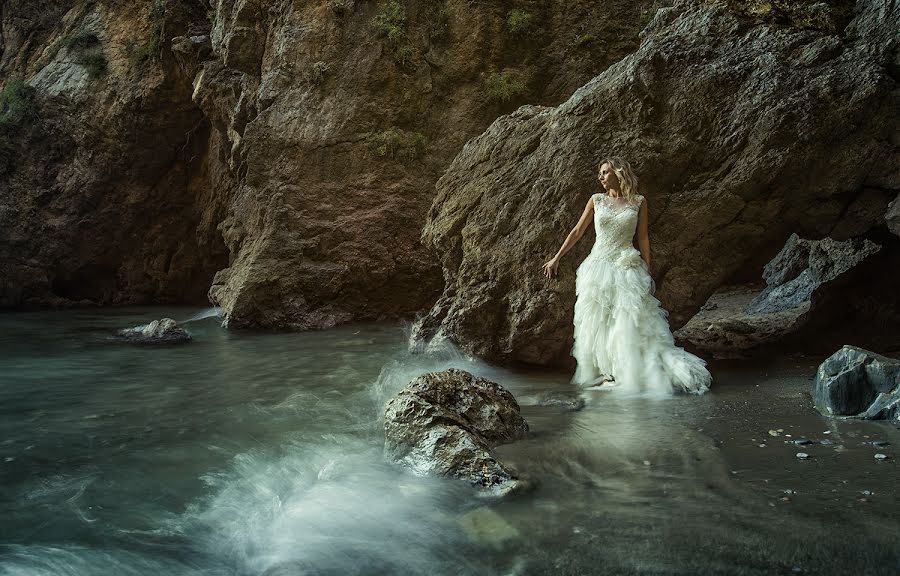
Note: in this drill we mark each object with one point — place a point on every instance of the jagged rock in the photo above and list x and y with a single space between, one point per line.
164 331
856 382
446 423
892 216
804 265
724 184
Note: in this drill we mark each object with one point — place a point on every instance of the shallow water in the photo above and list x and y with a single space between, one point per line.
246 453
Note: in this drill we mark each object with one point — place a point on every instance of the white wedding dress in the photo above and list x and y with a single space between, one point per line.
620 328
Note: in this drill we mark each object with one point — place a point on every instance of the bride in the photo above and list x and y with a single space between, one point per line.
622 337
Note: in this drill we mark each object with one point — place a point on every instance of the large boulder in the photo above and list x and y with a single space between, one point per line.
445 423
164 331
859 383
803 266
803 134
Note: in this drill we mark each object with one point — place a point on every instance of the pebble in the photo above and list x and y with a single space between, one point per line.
646 462
880 443
867 493
773 433
826 442
789 491
802 441
880 456
827 432
762 445
802 455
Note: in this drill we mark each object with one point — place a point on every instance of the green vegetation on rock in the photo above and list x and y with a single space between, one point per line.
518 21
397 143
17 104
390 24
504 86
149 49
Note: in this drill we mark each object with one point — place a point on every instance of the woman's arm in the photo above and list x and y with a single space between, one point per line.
643 233
574 236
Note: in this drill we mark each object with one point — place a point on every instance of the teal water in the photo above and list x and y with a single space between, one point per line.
248 453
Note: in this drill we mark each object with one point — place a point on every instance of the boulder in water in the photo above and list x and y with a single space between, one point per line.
858 383
445 423
164 331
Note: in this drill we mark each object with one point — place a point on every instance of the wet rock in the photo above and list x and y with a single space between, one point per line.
445 423
802 456
801 441
881 456
858 383
164 331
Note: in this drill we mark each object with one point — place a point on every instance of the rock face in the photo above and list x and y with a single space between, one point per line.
803 266
334 120
445 423
819 293
859 383
102 174
292 147
892 216
165 331
804 136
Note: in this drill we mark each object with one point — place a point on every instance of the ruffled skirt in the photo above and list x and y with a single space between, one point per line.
621 331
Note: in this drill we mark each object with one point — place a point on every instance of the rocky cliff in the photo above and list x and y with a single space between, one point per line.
284 153
282 156
741 130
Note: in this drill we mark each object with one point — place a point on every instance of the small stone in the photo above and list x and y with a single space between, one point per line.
646 462
773 433
802 441
826 442
787 435
762 445
780 430
789 491
785 499
880 443
802 455
827 432
867 493
880 456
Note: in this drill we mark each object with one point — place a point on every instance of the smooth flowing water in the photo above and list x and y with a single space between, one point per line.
245 454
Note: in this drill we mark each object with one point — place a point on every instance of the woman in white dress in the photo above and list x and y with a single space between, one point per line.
622 337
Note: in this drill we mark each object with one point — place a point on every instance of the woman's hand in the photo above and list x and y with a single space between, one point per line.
551 267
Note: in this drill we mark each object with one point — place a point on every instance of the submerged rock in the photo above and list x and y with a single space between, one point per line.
858 383
164 331
445 423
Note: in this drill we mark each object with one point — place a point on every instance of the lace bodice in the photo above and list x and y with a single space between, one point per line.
615 223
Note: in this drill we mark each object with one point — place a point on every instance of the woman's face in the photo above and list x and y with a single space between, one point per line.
607 177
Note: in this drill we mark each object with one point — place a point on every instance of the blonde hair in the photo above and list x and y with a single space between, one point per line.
628 182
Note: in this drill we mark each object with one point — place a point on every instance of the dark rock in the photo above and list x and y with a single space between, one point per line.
859 383
802 441
804 265
892 216
165 331
446 423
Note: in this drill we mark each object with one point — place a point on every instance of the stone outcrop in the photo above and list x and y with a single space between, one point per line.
164 331
802 267
817 292
445 423
858 383
740 132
